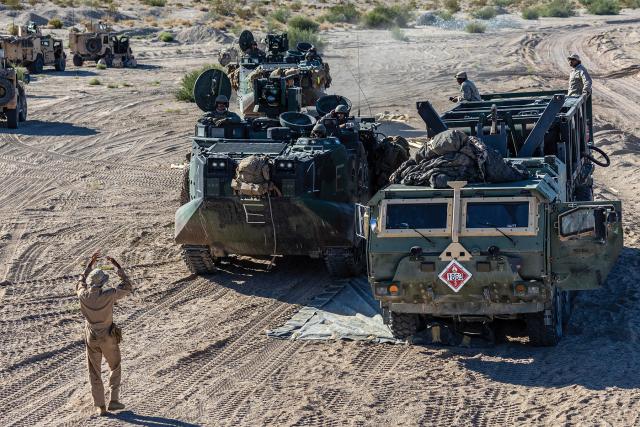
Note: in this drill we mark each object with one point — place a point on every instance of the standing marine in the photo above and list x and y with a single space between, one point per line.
468 89
579 78
102 337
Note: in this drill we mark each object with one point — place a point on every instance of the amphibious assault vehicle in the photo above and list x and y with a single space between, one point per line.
13 98
265 187
103 44
33 50
302 66
476 252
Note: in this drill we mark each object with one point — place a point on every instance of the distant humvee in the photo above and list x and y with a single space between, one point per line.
101 45
33 50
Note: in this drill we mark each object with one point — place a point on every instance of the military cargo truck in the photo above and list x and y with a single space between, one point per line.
13 98
33 50
265 187
475 252
104 45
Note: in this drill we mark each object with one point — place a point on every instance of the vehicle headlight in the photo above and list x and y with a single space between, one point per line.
286 165
217 164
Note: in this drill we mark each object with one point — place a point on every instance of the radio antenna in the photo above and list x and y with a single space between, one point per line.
358 65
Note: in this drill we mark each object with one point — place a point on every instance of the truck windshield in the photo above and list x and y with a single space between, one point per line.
420 216
501 215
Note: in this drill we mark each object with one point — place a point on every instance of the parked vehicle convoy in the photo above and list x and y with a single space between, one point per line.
33 50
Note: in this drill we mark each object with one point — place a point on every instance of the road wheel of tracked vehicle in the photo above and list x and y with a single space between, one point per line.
185 195
404 325
22 105
12 117
345 262
546 327
77 60
61 63
198 259
7 91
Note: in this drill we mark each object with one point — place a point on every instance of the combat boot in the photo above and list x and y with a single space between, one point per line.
101 411
114 405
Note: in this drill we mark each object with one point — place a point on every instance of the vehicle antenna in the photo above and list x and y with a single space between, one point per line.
358 65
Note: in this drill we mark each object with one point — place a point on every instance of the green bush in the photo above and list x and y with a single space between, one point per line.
296 36
21 73
557 9
503 3
631 4
530 13
486 12
185 90
303 23
155 3
345 12
398 34
604 7
475 27
386 17
100 66
55 23
281 15
95 82
445 15
165 37
12 30
451 5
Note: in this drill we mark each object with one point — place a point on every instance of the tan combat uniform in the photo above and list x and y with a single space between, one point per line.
579 81
96 304
469 92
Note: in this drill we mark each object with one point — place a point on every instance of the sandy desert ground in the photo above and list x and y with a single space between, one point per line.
92 169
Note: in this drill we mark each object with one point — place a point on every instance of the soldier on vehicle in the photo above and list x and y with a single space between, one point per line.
579 78
319 131
102 336
468 89
312 55
222 110
255 52
335 119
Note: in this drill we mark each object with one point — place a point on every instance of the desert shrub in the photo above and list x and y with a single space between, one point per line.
155 3
223 7
386 17
486 12
244 12
12 30
475 27
398 34
95 82
296 36
451 5
557 9
55 23
112 86
165 37
12 4
503 3
345 12
185 89
530 13
445 15
281 15
303 23
295 6
604 7
101 66
21 73
631 4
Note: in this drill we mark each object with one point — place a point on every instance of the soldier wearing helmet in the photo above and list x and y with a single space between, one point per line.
101 335
579 78
335 119
319 131
468 89
255 52
221 110
312 55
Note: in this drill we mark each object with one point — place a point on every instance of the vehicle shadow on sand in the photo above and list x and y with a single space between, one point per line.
130 417
599 350
41 128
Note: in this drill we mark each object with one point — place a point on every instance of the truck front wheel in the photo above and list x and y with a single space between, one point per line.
77 60
12 117
404 325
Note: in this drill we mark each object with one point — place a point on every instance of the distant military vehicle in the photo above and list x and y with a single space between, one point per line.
303 67
13 98
479 251
265 187
33 50
102 45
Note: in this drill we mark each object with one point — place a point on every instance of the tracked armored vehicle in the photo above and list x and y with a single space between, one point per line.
104 45
476 252
265 187
13 98
302 66
33 50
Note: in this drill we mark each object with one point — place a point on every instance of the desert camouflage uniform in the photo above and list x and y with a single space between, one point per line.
469 92
579 81
96 304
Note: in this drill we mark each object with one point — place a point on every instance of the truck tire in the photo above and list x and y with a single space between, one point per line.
22 105
77 60
542 335
404 325
7 91
345 262
185 194
12 117
37 66
198 259
61 63
93 45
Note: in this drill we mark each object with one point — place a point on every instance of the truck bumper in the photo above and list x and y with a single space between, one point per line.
484 308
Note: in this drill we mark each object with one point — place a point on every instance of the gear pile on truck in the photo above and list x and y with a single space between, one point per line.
33 50
447 246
